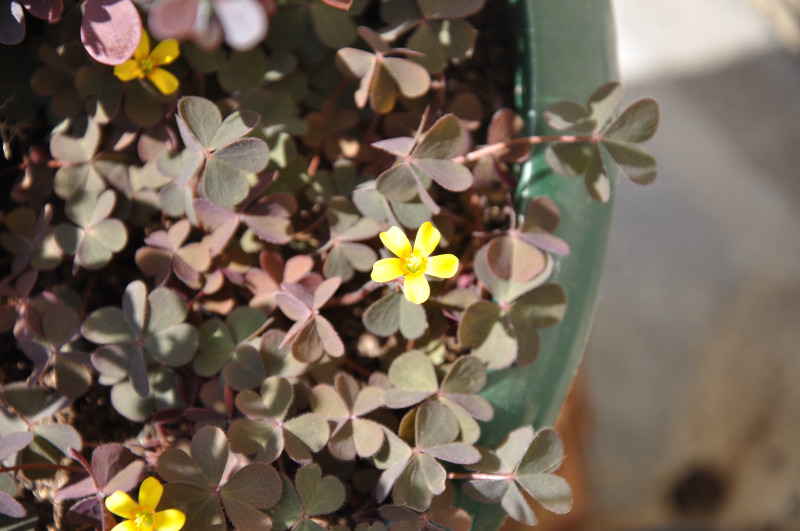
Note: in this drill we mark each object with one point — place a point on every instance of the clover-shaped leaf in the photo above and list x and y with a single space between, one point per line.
31 239
146 327
440 515
33 408
268 218
440 33
582 156
502 334
414 379
491 169
9 445
375 205
166 253
220 152
519 254
265 282
196 485
345 254
113 467
524 461
60 326
249 367
94 238
243 23
312 495
424 159
394 312
311 334
75 142
267 433
382 77
344 405
219 340
415 476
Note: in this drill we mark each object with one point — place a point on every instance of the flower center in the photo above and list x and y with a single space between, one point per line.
415 264
147 64
143 520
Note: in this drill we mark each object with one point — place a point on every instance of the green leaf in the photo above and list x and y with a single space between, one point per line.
254 486
634 161
414 379
444 140
76 140
637 123
466 376
202 119
420 480
311 429
199 504
105 326
569 158
332 26
224 185
393 312
542 307
435 425
165 308
289 510
552 491
319 495
235 125
209 449
263 438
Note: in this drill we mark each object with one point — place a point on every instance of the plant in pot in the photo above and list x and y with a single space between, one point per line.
285 263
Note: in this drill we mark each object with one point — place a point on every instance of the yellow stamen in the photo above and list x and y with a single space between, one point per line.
415 264
143 520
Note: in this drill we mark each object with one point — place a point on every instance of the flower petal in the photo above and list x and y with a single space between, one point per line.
143 50
163 80
387 269
169 520
416 288
127 525
396 241
149 494
128 70
427 239
121 504
166 52
442 266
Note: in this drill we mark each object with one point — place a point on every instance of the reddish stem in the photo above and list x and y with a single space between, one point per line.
530 140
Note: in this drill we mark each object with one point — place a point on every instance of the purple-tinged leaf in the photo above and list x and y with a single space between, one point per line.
331 342
457 452
12 27
637 123
13 443
399 146
110 30
8 505
244 22
446 173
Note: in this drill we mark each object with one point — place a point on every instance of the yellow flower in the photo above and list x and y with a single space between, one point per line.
143 516
414 264
145 64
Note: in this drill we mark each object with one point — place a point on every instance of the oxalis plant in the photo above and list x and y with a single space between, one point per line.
260 257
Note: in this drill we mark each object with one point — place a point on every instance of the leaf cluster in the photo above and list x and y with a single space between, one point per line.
201 262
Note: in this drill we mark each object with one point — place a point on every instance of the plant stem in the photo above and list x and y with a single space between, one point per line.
480 476
530 140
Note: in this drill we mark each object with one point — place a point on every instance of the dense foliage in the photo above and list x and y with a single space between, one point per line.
208 231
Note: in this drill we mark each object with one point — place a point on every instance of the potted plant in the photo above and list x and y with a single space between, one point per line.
284 263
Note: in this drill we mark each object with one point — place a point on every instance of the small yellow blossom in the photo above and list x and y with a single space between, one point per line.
143 516
145 64
414 264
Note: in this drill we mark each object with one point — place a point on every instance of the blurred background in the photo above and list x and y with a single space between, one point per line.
687 412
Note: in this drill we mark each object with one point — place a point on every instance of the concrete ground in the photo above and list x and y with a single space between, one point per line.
693 367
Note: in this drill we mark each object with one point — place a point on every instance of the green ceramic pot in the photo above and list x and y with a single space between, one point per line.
567 49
